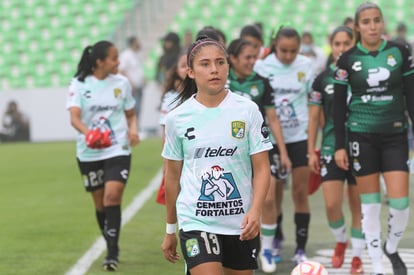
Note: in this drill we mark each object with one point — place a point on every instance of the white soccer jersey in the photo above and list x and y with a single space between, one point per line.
103 104
169 102
215 145
291 85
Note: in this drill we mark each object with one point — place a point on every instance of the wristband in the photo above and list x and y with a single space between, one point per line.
171 228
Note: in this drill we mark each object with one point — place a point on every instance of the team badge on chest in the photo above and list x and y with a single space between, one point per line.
237 129
391 60
117 93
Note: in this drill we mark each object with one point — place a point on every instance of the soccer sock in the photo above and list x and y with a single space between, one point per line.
100 217
338 230
112 228
358 242
302 225
371 227
397 222
279 232
268 232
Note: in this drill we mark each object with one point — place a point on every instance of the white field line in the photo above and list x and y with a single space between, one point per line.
93 253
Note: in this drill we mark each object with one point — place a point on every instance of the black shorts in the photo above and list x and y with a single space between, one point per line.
96 173
373 153
330 171
275 168
202 247
297 152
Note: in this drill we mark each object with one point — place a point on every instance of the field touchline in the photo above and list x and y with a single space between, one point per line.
93 253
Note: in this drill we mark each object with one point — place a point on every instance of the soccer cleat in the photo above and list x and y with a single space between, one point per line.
266 261
397 263
277 249
110 264
299 257
339 254
356 266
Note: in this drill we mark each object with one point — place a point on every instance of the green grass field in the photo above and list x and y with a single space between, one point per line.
48 223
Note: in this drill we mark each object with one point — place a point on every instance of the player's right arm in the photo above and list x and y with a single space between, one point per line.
173 170
75 120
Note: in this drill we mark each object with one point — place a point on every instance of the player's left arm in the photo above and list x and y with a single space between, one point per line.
261 170
132 122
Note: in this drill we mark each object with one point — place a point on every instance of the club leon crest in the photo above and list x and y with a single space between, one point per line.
238 128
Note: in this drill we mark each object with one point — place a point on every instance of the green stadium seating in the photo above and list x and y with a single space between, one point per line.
42 39
39 37
317 16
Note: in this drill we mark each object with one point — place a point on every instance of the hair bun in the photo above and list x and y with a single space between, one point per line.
202 37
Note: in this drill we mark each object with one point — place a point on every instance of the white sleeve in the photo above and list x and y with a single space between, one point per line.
74 96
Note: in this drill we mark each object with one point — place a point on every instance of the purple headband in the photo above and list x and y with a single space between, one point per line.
209 41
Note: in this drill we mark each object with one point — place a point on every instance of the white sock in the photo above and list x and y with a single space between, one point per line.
371 227
358 245
338 230
358 242
268 232
397 223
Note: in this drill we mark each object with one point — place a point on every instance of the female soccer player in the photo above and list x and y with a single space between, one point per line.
214 141
380 75
244 81
321 106
290 76
101 109
169 101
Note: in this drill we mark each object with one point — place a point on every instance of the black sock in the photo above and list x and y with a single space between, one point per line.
279 233
112 228
302 225
100 217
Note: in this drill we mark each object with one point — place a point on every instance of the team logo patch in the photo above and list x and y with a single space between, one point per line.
192 247
237 129
357 165
391 60
341 75
117 92
315 97
254 91
301 76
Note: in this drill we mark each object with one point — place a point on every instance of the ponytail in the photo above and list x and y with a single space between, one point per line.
90 55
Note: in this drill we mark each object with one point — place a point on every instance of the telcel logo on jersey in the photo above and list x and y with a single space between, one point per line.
210 152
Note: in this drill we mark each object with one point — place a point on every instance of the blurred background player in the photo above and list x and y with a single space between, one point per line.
131 66
171 49
244 81
380 75
16 125
290 76
101 109
169 101
401 37
316 54
254 35
321 109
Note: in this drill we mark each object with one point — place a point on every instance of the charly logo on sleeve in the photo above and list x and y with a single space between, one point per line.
219 195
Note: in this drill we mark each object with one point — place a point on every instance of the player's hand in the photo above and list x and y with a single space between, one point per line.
133 138
169 247
341 159
106 139
285 163
250 225
314 163
93 138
